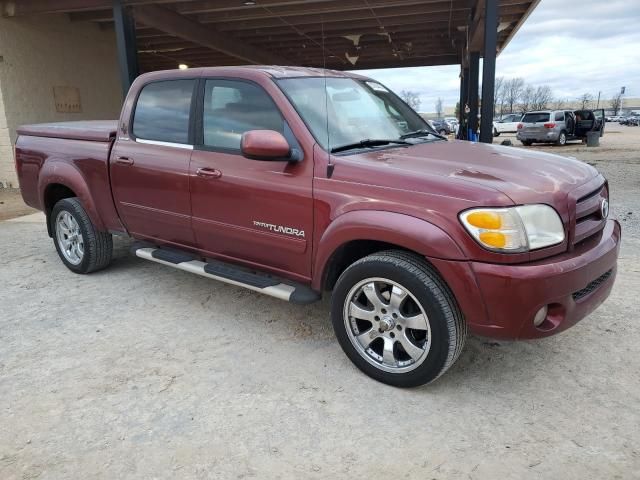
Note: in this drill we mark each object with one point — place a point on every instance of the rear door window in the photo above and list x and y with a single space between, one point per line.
162 111
232 107
535 117
559 117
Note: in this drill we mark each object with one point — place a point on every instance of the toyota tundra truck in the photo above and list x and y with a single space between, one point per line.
296 182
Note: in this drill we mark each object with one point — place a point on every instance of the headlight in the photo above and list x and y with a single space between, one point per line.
514 229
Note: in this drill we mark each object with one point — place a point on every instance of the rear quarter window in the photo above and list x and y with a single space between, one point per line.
162 111
535 117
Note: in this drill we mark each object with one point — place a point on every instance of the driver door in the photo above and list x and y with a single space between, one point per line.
259 213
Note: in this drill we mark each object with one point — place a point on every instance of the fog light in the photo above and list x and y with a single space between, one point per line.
540 316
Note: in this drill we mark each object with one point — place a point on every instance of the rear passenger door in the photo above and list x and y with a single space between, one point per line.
150 166
259 213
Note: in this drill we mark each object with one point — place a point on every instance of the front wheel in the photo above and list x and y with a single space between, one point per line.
443 133
527 143
81 247
396 319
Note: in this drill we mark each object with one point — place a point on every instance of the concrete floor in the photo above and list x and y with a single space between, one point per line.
141 371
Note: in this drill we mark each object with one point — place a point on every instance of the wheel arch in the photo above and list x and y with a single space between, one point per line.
357 234
59 180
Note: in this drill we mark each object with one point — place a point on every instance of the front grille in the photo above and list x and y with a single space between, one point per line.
589 220
592 287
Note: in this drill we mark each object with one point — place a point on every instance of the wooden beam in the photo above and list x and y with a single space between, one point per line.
36 7
180 26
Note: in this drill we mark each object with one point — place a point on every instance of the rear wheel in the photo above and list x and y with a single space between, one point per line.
562 138
81 247
396 319
527 143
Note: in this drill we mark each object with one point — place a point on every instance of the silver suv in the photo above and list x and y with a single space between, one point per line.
559 126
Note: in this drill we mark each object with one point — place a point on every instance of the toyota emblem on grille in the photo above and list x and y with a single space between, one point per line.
604 208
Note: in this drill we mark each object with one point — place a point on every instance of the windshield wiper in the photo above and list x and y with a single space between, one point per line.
421 133
367 143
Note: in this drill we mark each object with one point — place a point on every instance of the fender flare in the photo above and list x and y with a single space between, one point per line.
60 172
399 229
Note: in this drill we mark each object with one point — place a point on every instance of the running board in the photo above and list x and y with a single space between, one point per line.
224 272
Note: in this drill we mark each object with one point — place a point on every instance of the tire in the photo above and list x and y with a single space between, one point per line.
81 247
562 139
527 143
438 329
443 133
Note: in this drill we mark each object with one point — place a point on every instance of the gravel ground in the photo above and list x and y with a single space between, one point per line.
141 372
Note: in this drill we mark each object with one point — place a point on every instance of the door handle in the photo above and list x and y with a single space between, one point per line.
209 172
124 161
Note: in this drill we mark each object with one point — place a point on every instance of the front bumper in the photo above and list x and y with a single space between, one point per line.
501 301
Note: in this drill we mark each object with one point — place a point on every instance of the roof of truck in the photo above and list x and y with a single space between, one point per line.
274 71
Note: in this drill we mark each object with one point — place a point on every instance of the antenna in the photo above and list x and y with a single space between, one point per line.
330 165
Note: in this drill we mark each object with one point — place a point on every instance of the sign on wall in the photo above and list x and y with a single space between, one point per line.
67 99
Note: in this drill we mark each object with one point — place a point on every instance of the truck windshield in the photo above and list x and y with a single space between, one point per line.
353 111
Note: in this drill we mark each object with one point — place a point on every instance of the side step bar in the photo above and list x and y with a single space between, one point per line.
227 273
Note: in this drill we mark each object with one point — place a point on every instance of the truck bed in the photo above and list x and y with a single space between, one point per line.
93 130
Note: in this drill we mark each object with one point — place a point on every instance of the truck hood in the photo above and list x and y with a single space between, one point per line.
523 175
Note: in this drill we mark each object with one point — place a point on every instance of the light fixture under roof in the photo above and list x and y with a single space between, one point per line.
249 3
183 66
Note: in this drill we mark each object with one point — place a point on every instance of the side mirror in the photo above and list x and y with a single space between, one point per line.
266 145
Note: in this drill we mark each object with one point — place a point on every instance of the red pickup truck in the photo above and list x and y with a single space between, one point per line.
294 181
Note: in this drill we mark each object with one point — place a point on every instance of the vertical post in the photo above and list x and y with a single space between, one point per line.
126 44
474 72
464 81
489 70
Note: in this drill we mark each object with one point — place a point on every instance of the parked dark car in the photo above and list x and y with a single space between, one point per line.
441 126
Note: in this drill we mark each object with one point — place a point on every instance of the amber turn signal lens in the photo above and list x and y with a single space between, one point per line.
493 239
488 220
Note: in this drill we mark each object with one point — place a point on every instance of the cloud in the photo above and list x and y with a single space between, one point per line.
574 46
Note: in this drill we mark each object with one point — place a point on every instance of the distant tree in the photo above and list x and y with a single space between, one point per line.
585 99
541 98
560 103
498 96
526 99
513 89
616 103
439 108
411 98
457 110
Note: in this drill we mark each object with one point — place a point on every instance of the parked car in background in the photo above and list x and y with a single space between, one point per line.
507 124
442 126
630 120
559 126
453 122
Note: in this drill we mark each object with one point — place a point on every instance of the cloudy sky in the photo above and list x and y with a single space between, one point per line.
574 46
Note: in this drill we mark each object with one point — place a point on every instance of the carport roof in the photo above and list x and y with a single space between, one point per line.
357 34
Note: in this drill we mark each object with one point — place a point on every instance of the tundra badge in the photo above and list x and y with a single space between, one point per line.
279 228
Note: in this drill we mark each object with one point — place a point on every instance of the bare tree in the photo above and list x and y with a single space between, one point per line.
513 89
616 103
560 103
541 98
411 98
498 97
439 108
526 99
585 99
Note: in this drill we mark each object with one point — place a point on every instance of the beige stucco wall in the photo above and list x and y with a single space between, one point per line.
40 52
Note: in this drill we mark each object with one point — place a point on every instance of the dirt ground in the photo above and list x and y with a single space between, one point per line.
142 372
11 204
